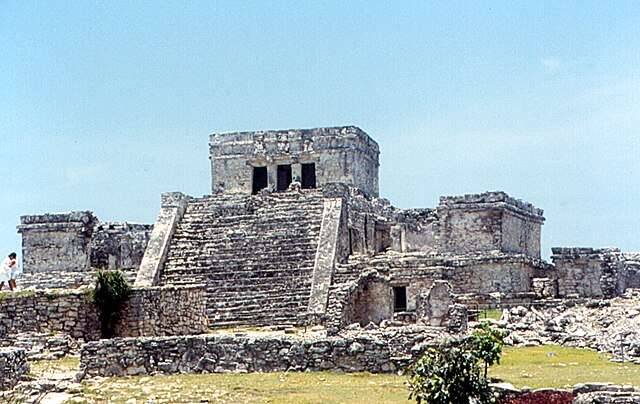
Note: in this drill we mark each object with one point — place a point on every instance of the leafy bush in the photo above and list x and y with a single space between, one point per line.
111 292
452 373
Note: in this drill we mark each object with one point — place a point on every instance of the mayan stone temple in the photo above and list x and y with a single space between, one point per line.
295 236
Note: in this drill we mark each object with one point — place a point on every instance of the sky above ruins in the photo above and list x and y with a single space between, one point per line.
104 105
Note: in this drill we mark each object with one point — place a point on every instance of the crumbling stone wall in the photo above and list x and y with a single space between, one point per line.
68 312
13 365
475 223
416 230
77 241
341 154
371 301
589 272
229 353
171 310
477 274
167 310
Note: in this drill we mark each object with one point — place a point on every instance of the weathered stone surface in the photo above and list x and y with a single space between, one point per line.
13 365
326 255
489 221
167 310
68 312
589 272
171 211
433 305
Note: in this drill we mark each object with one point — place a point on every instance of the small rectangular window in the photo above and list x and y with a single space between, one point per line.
308 175
399 298
284 177
259 181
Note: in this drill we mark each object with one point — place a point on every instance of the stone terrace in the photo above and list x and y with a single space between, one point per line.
255 254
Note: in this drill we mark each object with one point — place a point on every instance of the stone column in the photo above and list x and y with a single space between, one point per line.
296 172
272 177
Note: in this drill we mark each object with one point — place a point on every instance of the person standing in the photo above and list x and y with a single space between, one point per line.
9 271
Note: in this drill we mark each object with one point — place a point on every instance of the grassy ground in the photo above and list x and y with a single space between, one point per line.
287 388
544 366
494 314
44 367
556 366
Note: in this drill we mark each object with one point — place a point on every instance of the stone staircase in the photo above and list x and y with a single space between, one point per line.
255 254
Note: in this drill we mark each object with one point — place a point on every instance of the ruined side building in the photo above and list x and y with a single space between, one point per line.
294 231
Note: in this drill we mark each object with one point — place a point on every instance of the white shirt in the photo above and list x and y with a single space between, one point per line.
5 270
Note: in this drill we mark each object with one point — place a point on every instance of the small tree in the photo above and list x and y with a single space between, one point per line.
451 373
111 292
486 344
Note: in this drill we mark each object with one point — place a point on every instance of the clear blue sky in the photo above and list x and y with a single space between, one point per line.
104 105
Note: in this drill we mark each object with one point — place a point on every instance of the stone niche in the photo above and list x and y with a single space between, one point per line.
246 162
371 302
433 305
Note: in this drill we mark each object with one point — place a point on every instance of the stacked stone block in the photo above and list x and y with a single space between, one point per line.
67 312
57 242
229 353
159 311
149 311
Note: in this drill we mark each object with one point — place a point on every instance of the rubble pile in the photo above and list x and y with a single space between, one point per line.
611 326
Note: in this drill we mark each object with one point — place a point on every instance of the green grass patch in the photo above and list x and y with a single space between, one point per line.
18 293
493 314
65 364
286 388
541 366
557 366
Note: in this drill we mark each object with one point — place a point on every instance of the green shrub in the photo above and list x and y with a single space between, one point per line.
452 373
111 292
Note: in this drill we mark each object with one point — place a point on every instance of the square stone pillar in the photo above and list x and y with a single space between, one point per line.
296 172
272 176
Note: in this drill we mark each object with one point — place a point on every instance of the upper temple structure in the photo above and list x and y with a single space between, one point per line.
248 162
294 232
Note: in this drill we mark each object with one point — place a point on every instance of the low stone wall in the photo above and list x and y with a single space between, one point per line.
167 310
228 353
68 312
13 364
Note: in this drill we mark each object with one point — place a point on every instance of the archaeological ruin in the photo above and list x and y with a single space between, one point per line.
295 234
